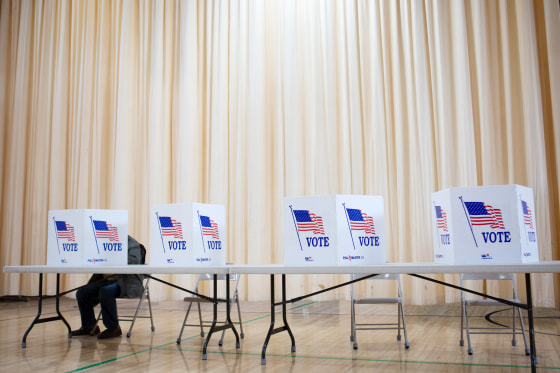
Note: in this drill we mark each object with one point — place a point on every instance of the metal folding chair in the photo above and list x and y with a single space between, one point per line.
137 315
197 300
378 326
490 302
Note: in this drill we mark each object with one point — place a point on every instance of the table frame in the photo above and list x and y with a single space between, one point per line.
413 269
137 269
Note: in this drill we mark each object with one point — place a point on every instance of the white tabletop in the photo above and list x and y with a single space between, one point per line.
128 269
404 268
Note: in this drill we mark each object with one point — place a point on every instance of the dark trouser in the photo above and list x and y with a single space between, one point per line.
105 293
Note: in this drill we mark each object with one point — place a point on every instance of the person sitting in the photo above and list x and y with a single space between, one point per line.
103 289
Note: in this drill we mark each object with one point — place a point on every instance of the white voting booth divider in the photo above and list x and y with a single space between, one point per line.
334 230
187 234
85 237
484 225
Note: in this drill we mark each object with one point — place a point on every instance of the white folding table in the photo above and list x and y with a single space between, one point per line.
412 269
142 269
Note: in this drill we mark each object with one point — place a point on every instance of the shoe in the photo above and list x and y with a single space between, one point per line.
85 331
110 333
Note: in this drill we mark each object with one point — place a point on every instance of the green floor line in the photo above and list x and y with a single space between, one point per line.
164 348
170 343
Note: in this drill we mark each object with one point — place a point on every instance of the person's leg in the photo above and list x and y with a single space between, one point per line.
88 298
108 300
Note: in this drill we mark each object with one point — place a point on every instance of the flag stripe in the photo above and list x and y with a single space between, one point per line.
309 222
483 214
105 230
171 227
209 227
360 221
65 231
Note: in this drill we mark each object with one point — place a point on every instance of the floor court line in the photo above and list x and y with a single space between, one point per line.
165 347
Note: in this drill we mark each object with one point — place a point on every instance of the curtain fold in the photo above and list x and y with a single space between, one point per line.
118 104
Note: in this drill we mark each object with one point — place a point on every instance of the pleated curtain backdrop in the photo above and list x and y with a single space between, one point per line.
125 104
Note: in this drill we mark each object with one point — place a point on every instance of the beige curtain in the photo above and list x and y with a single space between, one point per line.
125 104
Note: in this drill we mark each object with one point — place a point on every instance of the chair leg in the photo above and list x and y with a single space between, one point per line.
462 340
398 322
134 318
470 350
406 344
150 308
200 319
242 335
513 339
354 337
527 350
96 322
184 323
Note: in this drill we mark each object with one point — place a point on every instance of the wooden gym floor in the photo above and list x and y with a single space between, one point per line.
321 331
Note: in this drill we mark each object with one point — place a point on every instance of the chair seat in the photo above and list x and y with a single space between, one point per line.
486 302
376 300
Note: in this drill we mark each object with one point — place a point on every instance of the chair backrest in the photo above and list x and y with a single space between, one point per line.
383 276
220 277
490 276
210 276
487 276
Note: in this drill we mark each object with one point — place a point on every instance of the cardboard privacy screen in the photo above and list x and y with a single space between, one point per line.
87 237
187 234
334 230
484 225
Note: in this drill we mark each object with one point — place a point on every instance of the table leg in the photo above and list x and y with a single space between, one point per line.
531 325
228 324
214 319
285 327
38 319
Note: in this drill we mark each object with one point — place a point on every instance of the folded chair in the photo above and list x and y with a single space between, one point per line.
137 315
197 300
490 302
378 326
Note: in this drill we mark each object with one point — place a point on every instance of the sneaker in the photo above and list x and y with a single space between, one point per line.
110 333
85 331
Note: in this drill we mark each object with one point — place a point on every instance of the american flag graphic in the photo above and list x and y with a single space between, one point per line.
360 221
483 214
209 227
309 222
441 217
170 227
65 231
105 230
527 216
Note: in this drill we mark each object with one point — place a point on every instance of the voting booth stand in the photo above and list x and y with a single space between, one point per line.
84 237
187 234
334 230
484 225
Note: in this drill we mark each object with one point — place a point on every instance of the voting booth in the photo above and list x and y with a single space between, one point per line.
84 237
187 234
334 230
484 225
